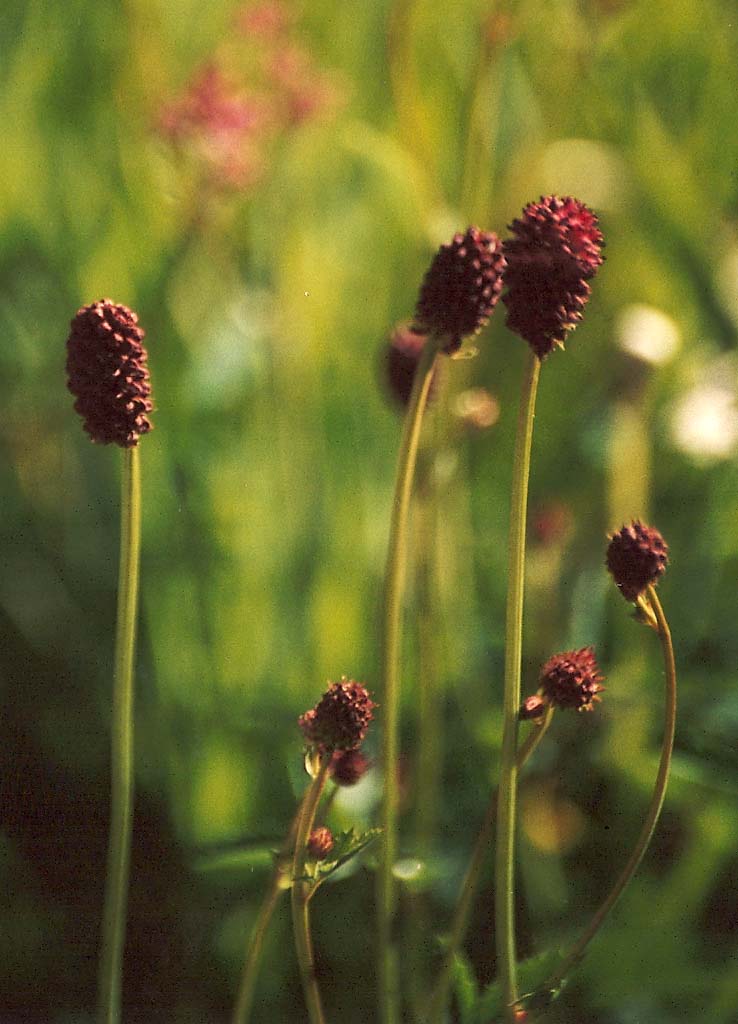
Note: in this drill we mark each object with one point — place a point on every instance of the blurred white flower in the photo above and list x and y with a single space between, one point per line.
704 421
648 334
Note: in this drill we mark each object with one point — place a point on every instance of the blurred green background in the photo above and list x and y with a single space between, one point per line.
265 185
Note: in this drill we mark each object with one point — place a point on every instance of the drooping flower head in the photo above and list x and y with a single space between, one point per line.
320 843
571 680
108 375
340 718
637 556
555 250
462 286
348 766
400 359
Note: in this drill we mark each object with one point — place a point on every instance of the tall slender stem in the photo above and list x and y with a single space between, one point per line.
654 810
507 796
301 896
439 998
121 791
394 592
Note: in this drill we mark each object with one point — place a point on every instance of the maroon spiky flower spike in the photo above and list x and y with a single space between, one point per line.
106 367
348 766
340 718
320 843
401 357
555 250
637 556
571 680
461 287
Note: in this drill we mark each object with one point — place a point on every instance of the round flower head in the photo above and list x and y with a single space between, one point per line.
106 367
320 843
462 286
348 766
636 556
554 252
572 680
340 718
401 357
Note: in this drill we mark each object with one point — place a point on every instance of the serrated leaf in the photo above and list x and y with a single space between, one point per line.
346 845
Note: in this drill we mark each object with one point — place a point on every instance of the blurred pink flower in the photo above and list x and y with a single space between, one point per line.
225 126
266 21
304 91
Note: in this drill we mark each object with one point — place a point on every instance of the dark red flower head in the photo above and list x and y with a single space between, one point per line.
572 680
106 367
555 250
462 286
636 556
340 718
348 766
401 357
320 843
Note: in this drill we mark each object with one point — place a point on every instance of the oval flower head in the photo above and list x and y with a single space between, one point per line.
341 717
555 250
108 375
461 287
572 680
637 556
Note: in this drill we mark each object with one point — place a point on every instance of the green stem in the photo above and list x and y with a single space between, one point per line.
507 797
394 592
245 999
439 998
285 857
301 896
121 790
553 983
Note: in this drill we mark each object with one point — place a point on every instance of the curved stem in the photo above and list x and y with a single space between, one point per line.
654 810
507 797
301 896
439 998
245 999
394 592
121 784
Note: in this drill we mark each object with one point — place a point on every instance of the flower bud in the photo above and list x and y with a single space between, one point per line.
554 251
572 680
106 367
340 718
533 708
637 556
320 843
461 287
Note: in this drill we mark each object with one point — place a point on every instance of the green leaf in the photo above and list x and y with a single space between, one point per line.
346 845
489 1006
465 987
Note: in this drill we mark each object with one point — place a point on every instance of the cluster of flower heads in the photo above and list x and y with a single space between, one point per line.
637 556
107 373
340 719
544 270
259 87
